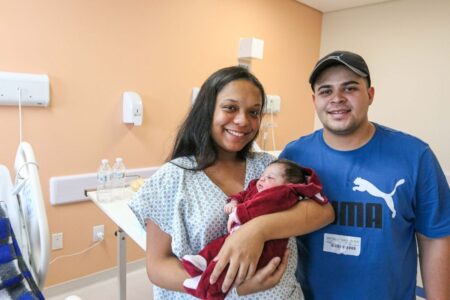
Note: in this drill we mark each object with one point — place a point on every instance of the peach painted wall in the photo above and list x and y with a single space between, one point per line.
410 70
93 51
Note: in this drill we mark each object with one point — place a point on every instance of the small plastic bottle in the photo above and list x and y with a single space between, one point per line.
104 181
118 178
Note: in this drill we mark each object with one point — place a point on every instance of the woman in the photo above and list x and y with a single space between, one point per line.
181 205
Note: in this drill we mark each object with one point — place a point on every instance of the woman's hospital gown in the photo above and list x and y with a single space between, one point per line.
188 206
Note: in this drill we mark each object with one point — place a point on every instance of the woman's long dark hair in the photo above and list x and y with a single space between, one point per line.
194 136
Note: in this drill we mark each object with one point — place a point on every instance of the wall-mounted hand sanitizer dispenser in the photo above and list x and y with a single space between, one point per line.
133 110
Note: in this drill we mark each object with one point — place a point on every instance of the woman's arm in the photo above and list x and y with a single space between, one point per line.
243 248
163 268
305 217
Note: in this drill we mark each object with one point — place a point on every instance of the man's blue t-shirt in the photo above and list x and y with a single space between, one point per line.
382 194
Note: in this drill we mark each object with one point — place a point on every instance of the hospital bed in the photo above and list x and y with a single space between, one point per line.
24 214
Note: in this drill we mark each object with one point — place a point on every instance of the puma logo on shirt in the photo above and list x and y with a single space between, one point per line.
363 185
365 214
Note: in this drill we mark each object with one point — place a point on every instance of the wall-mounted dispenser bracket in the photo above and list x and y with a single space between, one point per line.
34 89
249 49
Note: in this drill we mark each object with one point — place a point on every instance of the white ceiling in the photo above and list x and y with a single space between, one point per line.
333 5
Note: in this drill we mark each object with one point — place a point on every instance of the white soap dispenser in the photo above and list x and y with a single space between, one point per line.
133 110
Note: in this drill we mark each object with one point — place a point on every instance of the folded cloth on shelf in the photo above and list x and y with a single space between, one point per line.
16 281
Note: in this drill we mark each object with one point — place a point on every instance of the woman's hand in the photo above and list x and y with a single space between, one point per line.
265 278
241 252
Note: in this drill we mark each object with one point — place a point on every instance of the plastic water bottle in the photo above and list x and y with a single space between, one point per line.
118 178
104 181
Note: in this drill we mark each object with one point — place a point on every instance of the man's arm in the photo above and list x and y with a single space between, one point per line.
434 255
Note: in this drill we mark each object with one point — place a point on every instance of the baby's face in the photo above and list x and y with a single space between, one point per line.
272 176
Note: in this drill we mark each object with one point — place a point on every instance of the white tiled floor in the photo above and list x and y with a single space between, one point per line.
138 288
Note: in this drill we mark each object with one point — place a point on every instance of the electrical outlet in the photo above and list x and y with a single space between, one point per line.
98 233
272 104
57 241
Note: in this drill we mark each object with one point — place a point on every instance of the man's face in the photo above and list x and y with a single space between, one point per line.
342 100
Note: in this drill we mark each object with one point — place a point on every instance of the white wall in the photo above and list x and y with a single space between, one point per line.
406 44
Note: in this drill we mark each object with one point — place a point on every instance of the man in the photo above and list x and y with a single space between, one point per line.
387 189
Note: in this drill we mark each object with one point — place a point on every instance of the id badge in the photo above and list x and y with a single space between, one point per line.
342 244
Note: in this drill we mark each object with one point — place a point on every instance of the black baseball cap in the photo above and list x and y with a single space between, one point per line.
351 60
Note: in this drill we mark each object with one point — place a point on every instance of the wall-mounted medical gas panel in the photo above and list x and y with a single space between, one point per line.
32 89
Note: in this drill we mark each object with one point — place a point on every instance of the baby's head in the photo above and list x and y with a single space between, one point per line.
279 172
